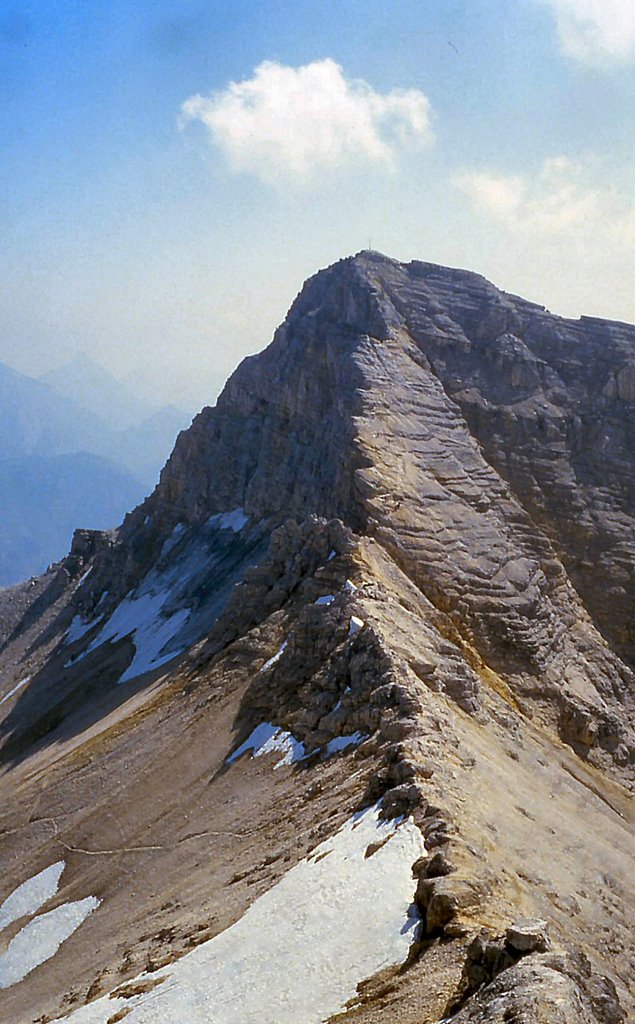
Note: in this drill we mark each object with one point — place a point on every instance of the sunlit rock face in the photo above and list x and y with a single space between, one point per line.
376 619
483 440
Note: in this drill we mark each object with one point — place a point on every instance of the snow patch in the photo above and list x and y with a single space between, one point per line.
15 689
350 587
41 938
332 554
300 950
267 738
229 520
78 628
355 625
344 742
276 657
84 577
31 895
140 616
326 599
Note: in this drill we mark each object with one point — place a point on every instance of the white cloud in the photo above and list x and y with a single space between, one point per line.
562 236
295 123
559 202
595 32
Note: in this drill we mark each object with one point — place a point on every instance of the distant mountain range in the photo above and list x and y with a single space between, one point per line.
92 387
45 497
78 449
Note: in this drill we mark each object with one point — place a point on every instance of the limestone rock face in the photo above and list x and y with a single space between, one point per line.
487 444
394 565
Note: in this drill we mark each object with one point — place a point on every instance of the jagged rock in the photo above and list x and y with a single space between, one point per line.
528 936
559 989
444 898
435 866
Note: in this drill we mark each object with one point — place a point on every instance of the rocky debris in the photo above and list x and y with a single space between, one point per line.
487 956
86 544
296 551
528 936
514 977
435 866
450 899
558 988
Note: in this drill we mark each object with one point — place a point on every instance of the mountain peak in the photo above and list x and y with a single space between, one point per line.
376 618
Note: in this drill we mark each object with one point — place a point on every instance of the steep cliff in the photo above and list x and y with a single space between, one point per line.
399 553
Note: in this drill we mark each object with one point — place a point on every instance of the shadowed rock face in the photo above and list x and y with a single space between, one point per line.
467 459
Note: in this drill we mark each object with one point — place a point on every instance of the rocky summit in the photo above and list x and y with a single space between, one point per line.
338 724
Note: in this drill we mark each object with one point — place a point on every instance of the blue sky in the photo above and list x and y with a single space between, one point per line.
166 234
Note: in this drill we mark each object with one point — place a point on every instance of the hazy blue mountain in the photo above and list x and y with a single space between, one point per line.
65 465
36 420
146 447
135 432
95 389
44 498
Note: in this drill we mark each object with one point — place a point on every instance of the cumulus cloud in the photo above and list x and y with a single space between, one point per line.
294 123
558 201
595 32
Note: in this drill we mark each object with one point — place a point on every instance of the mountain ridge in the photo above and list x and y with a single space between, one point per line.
367 549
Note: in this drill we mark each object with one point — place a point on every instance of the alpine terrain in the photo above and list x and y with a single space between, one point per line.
338 724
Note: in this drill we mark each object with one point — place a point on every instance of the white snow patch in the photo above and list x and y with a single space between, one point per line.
343 742
332 554
84 577
300 950
41 938
326 599
141 617
30 896
15 689
229 520
78 628
275 658
350 587
355 625
266 738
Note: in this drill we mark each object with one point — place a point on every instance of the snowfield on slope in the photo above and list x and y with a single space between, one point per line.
30 896
141 616
267 738
41 937
164 614
298 953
